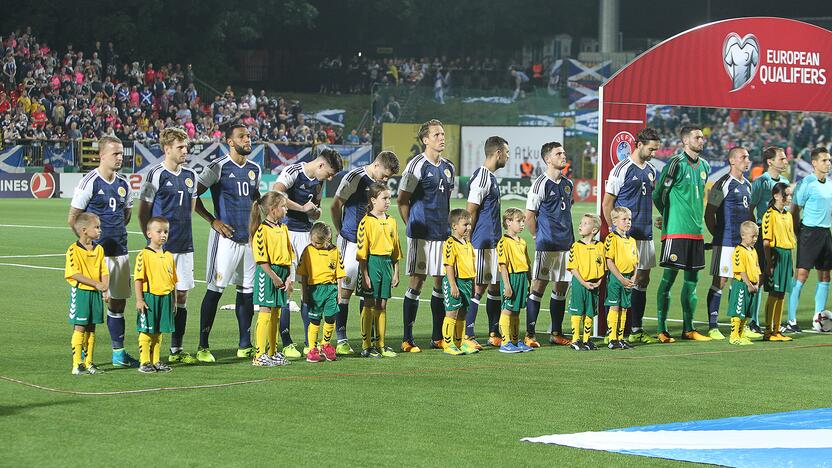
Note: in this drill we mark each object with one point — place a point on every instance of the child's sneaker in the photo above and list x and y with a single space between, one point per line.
147 368
291 351
473 343
313 355
279 360
523 347
387 351
161 367
92 369
370 352
468 348
263 361
122 359
181 357
452 350
329 352
590 346
79 370
614 344
510 348
577 346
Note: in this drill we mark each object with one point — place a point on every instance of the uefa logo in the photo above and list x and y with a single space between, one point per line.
622 146
741 58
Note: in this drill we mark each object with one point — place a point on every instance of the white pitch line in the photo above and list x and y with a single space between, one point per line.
30 226
45 255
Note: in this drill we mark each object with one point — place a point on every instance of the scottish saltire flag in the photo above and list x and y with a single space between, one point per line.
59 155
328 116
796 438
281 156
353 155
11 160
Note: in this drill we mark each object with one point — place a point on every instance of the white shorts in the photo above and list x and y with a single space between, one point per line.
646 255
229 262
120 284
348 250
184 271
299 240
424 257
551 266
488 271
721 261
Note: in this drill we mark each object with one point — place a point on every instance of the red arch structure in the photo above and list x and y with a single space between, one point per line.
759 63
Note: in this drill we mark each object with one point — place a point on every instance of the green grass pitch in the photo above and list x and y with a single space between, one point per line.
425 409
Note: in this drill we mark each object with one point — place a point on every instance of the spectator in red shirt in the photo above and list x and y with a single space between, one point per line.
149 74
39 118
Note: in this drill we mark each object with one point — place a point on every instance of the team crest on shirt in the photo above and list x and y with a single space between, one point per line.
332 265
673 257
447 173
650 176
122 192
218 276
422 265
189 183
567 189
703 175
251 175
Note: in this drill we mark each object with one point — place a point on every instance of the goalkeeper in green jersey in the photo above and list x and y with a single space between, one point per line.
680 198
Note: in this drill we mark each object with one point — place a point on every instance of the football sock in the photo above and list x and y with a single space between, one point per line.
77 342
180 318
778 314
587 329
576 327
304 316
714 298
409 308
156 348
770 314
515 327
366 327
532 311
312 333
145 342
448 329
341 320
689 299
274 319
115 323
207 313
821 294
245 312
459 330
557 307
284 323
735 328
638 299
329 329
612 323
437 309
261 333
742 327
505 328
380 316
663 297
471 315
794 299
89 348
492 309
622 320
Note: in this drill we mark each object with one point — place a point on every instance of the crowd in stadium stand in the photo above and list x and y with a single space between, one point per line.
360 74
47 94
798 132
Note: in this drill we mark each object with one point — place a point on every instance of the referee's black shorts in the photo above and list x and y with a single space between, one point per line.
814 248
683 254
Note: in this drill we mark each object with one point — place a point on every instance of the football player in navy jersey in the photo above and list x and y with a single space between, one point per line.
169 191
630 184
486 219
424 204
348 208
302 184
106 193
234 184
549 218
729 205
